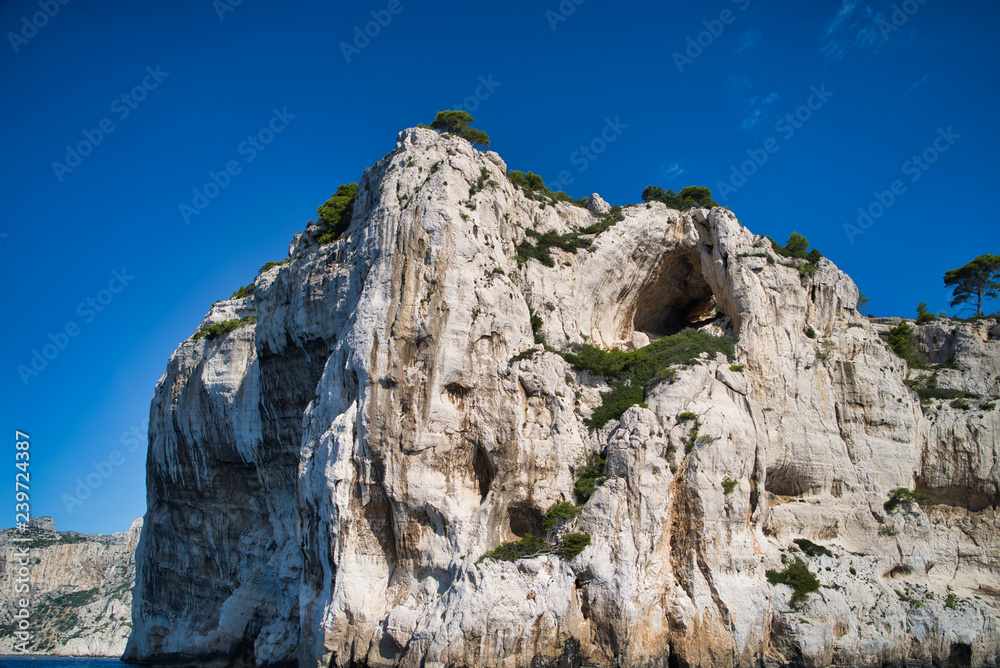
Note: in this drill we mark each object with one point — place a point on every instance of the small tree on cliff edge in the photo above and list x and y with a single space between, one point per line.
457 123
978 280
688 197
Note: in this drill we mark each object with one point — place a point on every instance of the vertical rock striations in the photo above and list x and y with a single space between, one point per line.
323 483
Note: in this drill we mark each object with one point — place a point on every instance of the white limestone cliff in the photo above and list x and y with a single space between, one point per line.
323 482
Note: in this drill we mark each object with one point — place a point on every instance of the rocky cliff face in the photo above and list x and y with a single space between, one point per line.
323 483
80 589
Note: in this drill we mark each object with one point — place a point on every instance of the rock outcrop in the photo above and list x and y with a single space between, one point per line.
80 589
324 481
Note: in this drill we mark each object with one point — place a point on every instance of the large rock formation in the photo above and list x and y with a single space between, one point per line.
80 589
323 482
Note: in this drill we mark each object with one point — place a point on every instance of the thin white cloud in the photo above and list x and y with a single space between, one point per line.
670 171
749 40
757 110
738 83
854 28
844 14
920 82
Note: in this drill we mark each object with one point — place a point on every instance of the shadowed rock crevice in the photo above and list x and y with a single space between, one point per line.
484 471
523 519
960 496
677 297
960 656
788 480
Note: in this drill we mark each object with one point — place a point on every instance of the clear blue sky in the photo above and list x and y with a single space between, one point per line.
888 85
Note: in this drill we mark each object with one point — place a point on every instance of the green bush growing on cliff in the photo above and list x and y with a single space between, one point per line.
902 343
589 476
615 215
76 599
534 187
217 329
335 214
560 513
812 549
573 544
271 264
630 374
514 550
923 315
691 196
797 248
457 123
901 494
729 485
541 248
568 548
245 291
797 576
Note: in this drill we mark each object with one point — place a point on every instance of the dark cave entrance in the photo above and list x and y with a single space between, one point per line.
484 472
677 298
524 519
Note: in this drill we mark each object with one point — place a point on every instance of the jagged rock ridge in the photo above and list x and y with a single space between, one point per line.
323 482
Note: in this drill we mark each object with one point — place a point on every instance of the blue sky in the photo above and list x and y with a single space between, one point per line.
688 93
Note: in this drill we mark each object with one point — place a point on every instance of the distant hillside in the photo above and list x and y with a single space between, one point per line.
81 590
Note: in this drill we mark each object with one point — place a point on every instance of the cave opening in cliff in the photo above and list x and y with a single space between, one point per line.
960 656
677 298
484 472
524 519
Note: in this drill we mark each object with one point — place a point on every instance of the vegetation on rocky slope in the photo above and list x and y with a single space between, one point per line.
219 329
903 495
560 513
457 123
541 248
632 374
335 214
901 342
797 576
534 187
691 196
589 476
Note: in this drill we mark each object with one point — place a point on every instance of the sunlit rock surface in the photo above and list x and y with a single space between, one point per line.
322 483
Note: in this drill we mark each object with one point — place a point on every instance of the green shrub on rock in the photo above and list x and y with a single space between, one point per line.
902 343
457 123
901 494
812 549
691 196
589 476
218 329
573 544
335 215
241 293
528 546
560 513
797 576
630 373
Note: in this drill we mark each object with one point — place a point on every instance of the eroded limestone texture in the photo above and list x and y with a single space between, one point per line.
322 484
